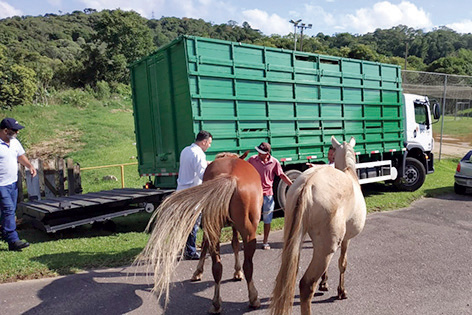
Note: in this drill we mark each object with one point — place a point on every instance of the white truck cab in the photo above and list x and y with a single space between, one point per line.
408 170
418 131
419 142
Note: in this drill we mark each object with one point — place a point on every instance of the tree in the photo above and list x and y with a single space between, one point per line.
364 52
125 33
457 63
17 83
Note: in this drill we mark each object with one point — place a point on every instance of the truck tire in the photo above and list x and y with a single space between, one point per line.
282 187
459 189
415 174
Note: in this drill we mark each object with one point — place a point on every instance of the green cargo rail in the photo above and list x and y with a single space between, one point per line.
245 94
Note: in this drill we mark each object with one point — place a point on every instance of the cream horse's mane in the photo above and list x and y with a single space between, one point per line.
345 157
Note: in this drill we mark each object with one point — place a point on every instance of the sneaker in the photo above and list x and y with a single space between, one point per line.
195 256
18 246
266 246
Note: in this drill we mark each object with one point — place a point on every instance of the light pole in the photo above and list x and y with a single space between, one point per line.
295 24
303 27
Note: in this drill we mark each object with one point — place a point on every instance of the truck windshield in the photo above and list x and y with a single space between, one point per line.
421 114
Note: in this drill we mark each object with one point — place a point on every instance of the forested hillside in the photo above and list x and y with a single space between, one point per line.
90 49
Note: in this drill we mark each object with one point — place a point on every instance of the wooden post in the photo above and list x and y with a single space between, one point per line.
70 177
50 187
77 179
32 183
21 171
60 176
40 174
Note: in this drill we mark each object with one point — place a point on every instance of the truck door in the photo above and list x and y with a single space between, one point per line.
418 122
423 132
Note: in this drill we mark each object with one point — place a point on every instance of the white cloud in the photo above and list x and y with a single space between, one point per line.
7 10
268 24
208 10
318 15
386 15
464 26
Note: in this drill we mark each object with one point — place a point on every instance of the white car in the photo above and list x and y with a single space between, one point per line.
463 177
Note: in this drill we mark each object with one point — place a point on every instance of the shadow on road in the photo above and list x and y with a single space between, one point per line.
84 293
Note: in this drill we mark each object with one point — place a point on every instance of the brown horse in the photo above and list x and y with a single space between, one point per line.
328 205
231 193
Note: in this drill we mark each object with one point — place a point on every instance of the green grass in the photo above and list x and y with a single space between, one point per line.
454 127
103 134
93 136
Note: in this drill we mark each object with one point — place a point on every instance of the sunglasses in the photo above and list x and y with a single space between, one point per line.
14 130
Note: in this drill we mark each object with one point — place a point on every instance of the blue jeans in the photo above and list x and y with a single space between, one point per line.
191 246
268 209
8 198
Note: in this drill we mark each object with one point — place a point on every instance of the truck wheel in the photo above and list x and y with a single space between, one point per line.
415 174
458 189
282 187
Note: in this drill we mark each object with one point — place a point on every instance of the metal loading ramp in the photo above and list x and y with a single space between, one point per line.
54 214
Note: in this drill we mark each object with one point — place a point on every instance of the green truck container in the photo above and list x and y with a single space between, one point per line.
245 94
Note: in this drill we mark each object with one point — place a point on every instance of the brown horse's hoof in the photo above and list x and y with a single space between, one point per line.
215 309
323 287
196 277
238 276
341 294
255 305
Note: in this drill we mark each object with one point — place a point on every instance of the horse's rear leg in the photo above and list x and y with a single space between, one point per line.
342 264
238 274
217 269
248 266
197 275
317 267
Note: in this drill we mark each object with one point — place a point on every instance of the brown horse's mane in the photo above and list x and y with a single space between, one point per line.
231 154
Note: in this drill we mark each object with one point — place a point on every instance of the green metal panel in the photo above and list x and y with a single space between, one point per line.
244 94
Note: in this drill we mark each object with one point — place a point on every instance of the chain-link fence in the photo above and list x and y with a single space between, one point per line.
454 94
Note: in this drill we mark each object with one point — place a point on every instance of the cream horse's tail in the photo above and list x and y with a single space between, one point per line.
172 223
284 291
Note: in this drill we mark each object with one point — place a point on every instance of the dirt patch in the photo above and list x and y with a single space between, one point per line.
120 110
452 146
65 141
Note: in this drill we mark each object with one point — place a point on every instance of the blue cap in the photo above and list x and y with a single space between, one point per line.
10 123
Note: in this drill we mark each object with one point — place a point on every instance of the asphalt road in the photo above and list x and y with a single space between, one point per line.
411 261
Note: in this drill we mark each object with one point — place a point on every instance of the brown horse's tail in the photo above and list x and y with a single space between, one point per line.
172 223
284 290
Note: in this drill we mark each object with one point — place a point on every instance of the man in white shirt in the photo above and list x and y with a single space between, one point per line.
192 166
11 152
331 156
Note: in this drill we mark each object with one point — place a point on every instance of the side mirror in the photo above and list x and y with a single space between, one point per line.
436 111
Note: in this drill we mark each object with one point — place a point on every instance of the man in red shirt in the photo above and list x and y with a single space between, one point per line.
268 167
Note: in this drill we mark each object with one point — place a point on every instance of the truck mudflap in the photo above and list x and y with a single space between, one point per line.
429 163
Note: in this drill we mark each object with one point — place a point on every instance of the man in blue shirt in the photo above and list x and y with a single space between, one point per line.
11 152
192 166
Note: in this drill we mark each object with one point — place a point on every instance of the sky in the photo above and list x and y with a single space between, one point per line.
273 16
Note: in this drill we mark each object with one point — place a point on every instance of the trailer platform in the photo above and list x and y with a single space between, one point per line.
54 214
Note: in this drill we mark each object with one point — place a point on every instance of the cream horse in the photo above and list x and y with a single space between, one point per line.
328 205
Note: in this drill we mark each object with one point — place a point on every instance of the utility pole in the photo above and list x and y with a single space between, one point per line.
406 53
295 24
303 27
